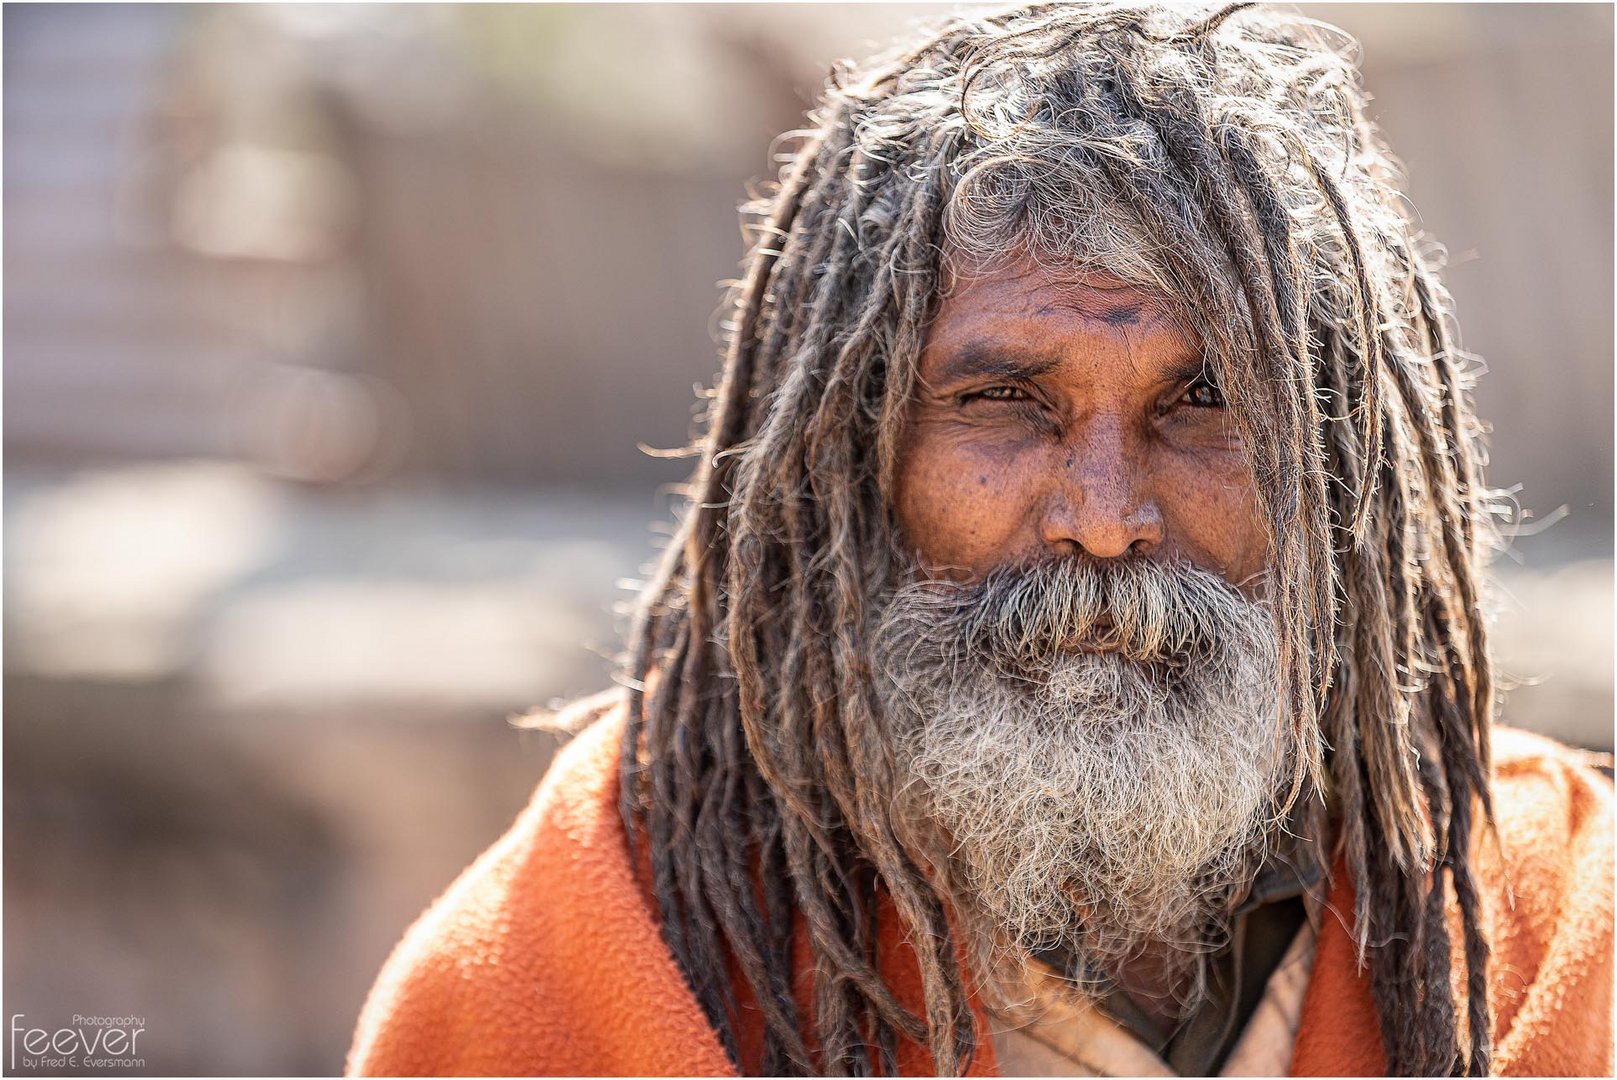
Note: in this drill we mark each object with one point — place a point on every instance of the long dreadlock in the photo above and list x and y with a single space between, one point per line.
1227 159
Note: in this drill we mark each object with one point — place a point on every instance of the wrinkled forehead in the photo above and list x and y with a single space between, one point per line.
1036 284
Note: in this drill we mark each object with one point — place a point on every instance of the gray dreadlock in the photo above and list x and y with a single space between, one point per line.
1224 158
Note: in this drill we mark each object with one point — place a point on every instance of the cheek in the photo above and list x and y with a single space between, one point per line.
1211 505
963 502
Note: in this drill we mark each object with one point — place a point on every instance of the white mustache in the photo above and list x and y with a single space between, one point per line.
1173 613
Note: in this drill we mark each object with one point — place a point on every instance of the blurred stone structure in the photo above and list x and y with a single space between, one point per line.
332 336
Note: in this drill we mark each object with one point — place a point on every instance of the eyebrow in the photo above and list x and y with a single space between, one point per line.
979 358
983 358
1192 367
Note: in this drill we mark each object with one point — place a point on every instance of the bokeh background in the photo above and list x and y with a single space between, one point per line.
332 337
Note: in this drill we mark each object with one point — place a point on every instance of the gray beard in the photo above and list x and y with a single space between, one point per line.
1091 757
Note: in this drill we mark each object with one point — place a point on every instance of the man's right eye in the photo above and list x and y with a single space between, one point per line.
996 393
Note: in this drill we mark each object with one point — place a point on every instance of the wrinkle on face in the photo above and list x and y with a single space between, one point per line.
1066 414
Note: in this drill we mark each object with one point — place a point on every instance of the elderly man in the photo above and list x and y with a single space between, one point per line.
1072 660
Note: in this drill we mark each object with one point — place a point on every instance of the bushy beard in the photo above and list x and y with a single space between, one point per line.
1093 754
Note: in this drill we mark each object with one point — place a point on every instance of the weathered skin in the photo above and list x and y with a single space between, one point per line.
1061 414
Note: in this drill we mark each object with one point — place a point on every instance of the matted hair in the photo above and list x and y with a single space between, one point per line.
1225 159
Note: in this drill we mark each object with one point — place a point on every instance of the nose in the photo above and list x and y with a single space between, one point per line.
1099 502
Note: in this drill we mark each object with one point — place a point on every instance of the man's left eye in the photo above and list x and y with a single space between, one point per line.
1202 394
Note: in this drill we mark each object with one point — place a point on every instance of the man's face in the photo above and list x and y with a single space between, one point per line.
1095 739
1059 415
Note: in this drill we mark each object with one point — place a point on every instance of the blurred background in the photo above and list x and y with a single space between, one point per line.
332 335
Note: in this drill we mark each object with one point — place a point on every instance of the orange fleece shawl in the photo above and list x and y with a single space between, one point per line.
545 955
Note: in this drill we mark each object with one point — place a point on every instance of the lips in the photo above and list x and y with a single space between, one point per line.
1104 633
1100 636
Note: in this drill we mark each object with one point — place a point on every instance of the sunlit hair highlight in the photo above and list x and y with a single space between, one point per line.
1224 159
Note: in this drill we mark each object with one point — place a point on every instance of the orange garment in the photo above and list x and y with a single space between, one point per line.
545 957
1547 889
